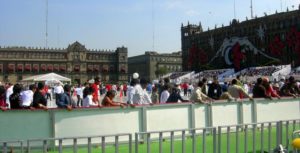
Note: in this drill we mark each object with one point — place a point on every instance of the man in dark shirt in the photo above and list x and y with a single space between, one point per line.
215 89
259 91
175 96
39 100
15 98
290 88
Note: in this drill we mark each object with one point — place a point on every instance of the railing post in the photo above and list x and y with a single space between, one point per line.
103 144
219 139
214 140
117 144
130 144
28 146
75 148
60 148
160 141
279 133
148 143
136 143
183 142
5 147
172 142
45 146
89 145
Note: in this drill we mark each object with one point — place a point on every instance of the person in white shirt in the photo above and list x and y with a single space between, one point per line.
137 95
9 91
190 89
165 94
27 96
88 97
79 94
58 91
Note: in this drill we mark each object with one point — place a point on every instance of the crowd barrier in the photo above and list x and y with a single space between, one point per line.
209 139
39 124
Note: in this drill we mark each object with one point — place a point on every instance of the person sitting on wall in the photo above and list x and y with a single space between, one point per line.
198 96
39 100
65 100
108 100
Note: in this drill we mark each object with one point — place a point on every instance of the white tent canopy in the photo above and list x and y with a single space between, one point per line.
47 77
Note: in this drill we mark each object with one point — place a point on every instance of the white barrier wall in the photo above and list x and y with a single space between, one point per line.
167 118
247 112
200 116
224 114
25 124
286 109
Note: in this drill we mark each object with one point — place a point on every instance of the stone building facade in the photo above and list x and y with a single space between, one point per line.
75 62
268 40
147 65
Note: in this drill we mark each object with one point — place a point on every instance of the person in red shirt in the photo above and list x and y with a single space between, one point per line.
185 88
3 105
269 89
125 89
95 87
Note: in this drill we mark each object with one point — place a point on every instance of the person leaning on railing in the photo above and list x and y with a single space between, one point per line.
198 96
290 88
65 100
39 100
237 91
108 100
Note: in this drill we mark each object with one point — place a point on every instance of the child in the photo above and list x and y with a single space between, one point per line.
108 99
88 97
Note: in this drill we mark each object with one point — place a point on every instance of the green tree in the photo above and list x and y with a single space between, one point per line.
161 71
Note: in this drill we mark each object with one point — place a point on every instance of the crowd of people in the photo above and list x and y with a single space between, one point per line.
262 71
140 92
210 73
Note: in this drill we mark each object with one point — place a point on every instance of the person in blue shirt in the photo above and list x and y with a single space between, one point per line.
65 100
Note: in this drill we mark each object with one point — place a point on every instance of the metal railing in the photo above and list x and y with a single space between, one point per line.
181 135
75 145
253 137
5 145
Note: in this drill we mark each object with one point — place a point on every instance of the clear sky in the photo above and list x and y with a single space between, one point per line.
107 24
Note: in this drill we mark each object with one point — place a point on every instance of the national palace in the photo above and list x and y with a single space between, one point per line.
75 62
